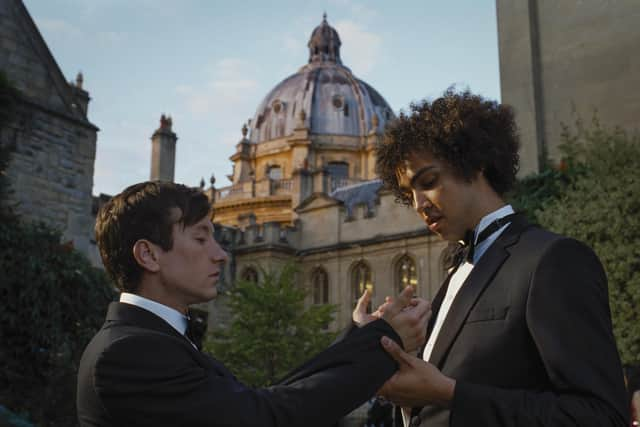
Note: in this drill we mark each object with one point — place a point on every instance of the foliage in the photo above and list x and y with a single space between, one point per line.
532 192
599 205
53 301
271 331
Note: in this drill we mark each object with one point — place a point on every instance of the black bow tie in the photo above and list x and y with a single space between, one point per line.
468 245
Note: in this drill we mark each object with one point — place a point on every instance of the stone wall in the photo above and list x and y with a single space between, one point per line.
324 236
52 174
51 171
567 59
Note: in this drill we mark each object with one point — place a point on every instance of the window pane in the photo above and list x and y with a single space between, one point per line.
320 287
406 273
361 280
275 172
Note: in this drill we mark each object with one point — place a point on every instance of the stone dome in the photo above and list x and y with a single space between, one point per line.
324 96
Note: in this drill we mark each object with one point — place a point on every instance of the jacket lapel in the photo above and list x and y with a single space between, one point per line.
477 281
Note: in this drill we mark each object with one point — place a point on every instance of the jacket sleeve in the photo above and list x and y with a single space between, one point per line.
569 320
141 380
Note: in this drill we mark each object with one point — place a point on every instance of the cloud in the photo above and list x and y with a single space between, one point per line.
228 86
360 48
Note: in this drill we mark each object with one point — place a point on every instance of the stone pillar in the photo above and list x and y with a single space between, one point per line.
520 77
80 95
242 170
163 151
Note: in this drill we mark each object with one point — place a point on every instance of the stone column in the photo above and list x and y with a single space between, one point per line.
163 151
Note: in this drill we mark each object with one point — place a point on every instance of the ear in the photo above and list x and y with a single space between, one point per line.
146 255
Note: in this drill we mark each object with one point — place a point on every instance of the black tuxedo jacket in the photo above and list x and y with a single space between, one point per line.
529 340
139 371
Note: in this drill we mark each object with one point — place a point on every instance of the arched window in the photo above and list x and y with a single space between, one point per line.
320 286
249 274
361 280
275 172
405 273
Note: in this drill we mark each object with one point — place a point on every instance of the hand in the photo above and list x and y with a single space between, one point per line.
416 383
360 316
408 317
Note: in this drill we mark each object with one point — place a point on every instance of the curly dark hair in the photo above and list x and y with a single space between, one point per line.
143 211
467 131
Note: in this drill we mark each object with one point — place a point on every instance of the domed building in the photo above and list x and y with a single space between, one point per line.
313 132
304 190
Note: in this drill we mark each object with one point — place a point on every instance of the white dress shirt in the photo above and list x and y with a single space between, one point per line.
458 279
463 272
172 316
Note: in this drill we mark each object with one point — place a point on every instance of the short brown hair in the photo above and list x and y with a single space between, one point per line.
467 131
143 211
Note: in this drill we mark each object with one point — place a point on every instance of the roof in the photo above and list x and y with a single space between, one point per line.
323 96
363 193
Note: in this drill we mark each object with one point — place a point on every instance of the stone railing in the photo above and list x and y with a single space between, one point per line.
230 192
281 186
262 188
274 187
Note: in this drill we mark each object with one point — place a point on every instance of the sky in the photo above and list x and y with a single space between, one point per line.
209 63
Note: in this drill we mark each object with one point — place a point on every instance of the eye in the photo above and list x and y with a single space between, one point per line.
201 239
427 183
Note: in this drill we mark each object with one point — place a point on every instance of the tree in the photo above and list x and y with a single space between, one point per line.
598 203
271 331
53 301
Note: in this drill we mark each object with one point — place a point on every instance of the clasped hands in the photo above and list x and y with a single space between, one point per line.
416 383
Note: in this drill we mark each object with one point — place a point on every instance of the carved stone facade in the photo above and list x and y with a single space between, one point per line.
313 132
51 171
304 191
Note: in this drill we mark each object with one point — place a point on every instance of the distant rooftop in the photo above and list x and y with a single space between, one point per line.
365 193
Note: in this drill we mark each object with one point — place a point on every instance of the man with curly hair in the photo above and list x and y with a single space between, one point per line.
521 329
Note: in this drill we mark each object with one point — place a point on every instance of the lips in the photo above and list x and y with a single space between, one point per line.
433 222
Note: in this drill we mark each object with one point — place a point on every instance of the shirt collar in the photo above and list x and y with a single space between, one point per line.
489 218
173 317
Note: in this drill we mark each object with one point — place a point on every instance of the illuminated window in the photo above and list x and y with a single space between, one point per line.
361 280
406 273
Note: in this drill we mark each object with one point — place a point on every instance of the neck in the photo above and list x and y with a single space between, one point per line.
156 292
486 204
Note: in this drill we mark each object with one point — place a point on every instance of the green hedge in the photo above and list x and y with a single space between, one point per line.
595 197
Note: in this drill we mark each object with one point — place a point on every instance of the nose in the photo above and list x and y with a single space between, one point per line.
218 255
420 202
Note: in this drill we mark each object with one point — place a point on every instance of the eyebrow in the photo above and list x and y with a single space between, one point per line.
419 173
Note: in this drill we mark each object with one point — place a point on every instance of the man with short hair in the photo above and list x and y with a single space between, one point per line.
156 242
521 330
